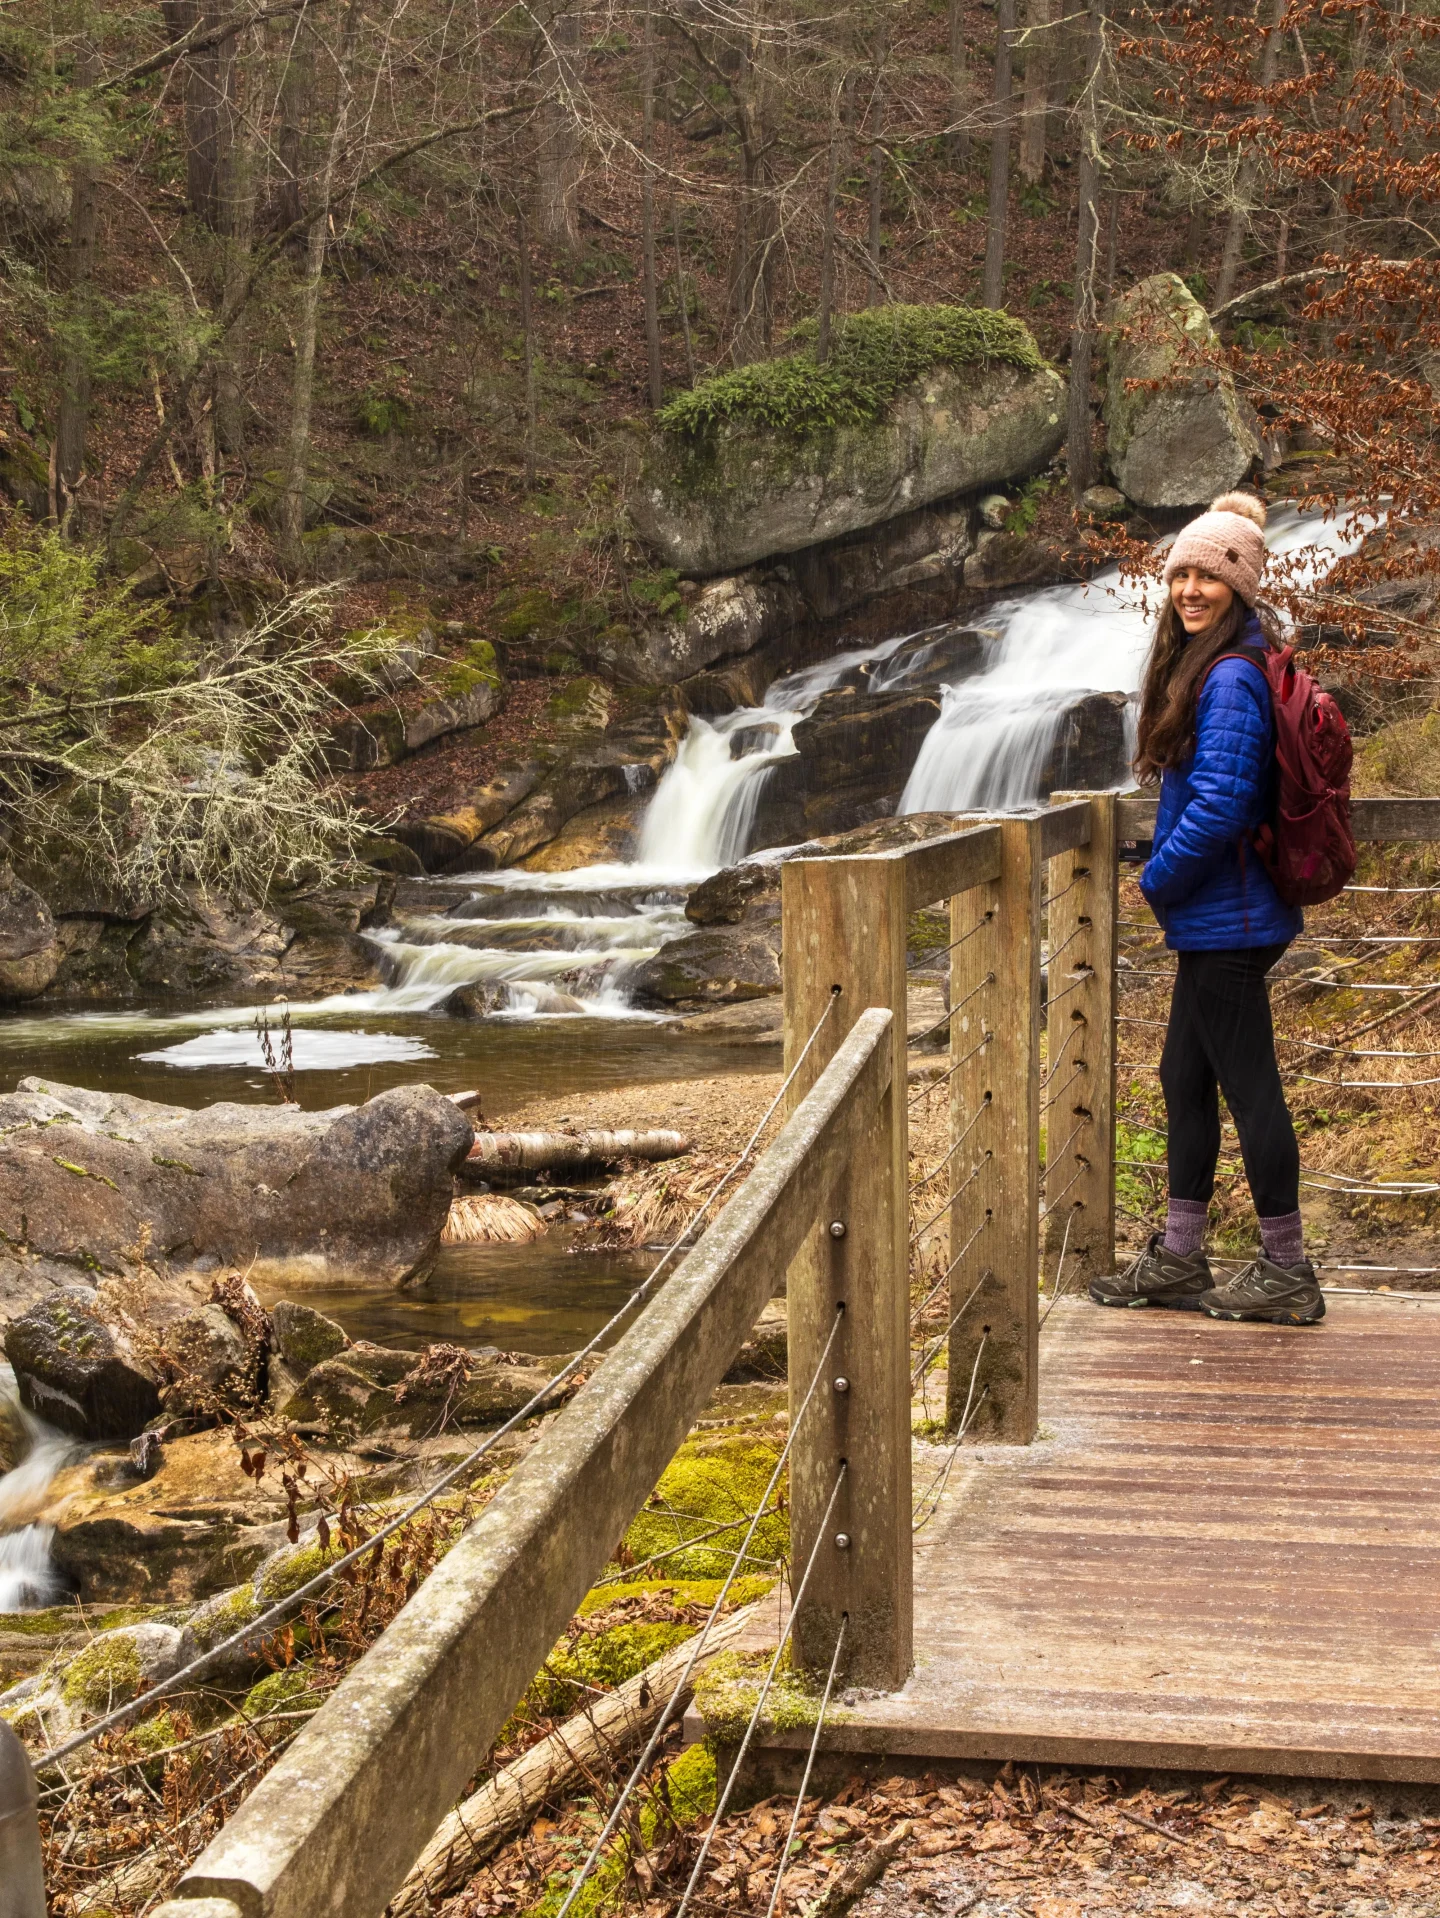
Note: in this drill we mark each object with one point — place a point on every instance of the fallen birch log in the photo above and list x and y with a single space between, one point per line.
552 1151
597 1736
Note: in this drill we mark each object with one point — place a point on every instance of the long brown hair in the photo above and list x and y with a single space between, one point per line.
1170 689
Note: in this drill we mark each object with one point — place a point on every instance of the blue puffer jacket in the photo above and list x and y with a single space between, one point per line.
1204 880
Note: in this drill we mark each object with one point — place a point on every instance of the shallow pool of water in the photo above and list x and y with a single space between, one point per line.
211 1054
540 1298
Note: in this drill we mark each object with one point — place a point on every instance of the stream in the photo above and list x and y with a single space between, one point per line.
551 956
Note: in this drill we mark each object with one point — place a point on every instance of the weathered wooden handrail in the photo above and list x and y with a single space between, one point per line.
1373 820
22 1880
335 1826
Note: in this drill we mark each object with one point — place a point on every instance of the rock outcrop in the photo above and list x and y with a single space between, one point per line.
1178 433
94 1184
30 950
756 493
734 955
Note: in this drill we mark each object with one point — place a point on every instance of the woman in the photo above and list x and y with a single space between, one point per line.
1206 733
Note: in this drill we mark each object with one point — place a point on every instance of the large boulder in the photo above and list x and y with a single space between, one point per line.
1177 432
93 1184
79 1368
715 965
1090 750
746 490
30 950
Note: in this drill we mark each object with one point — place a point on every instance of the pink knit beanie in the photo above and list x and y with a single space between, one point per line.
1228 541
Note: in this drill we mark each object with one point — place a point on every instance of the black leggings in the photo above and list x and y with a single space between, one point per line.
1220 1034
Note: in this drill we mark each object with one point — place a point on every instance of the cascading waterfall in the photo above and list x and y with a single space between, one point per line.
994 733
704 808
28 1579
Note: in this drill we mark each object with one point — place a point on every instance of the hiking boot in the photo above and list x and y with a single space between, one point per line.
1158 1277
1277 1294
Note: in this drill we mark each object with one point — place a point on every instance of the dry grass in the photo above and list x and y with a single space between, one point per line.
491 1218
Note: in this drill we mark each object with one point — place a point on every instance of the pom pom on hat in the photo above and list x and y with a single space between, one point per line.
1245 504
1228 542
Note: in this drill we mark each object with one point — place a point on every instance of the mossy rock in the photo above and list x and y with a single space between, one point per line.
727 1691
113 1668
293 1689
711 1488
477 666
583 705
304 1336
915 404
287 1571
603 1660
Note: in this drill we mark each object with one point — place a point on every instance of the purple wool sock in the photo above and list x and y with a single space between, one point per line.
1185 1226
1283 1238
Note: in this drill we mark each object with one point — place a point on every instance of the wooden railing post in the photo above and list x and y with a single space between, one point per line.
844 927
22 1878
995 1176
1079 1110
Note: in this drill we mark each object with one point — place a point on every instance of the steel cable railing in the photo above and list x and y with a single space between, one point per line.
1316 1020
822 1536
254 1632
642 1764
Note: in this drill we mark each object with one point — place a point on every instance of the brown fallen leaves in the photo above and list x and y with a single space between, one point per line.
1038 1844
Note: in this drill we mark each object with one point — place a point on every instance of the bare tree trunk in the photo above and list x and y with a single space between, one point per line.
827 244
302 391
1112 238
237 230
1239 223
557 151
647 226
527 327
209 108
752 275
957 140
1085 319
72 426
1038 65
683 293
992 292
877 189
296 52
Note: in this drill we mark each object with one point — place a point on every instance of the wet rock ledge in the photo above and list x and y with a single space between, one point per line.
97 1186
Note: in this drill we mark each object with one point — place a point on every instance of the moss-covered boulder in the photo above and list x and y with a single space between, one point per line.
914 404
1177 432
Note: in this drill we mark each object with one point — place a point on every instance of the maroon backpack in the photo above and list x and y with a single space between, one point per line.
1308 848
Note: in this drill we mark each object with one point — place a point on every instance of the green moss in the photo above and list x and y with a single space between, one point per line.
106 1673
680 1591
873 355
600 1659
704 1486
225 1619
525 612
288 1574
476 667
290 1690
726 1691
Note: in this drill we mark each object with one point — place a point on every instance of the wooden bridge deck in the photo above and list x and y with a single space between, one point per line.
1223 1553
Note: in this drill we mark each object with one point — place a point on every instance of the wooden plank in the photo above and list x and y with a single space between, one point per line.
327 1833
1066 825
1374 820
939 868
1223 1555
997 1181
844 926
1079 1097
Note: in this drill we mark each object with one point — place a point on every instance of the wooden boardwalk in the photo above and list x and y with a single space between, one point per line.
1223 1553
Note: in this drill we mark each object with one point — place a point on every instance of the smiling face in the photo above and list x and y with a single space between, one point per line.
1200 599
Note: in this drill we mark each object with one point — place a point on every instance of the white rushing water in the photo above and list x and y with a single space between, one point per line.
566 945
994 733
28 1578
